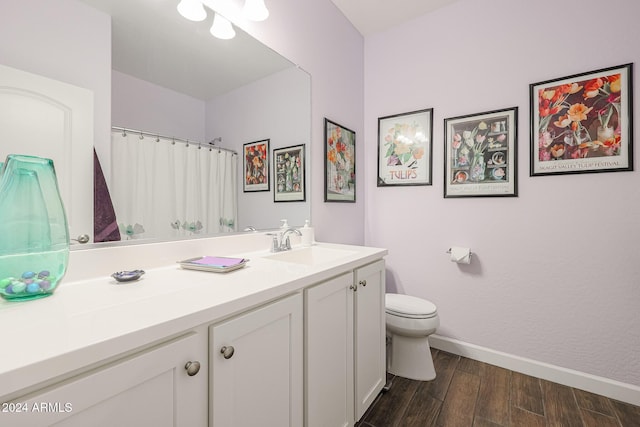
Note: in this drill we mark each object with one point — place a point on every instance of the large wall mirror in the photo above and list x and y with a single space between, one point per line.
148 69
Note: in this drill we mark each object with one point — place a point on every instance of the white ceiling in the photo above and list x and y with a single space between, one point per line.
152 42
372 16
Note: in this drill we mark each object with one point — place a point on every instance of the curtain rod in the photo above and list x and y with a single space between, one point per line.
209 145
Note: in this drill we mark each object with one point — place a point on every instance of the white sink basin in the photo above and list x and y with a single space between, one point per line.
310 256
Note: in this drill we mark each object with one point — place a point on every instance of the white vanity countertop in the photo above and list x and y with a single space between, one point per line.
89 320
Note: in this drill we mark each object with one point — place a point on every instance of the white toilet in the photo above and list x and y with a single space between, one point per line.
410 320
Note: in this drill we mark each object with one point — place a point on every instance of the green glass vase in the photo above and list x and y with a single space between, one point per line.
34 235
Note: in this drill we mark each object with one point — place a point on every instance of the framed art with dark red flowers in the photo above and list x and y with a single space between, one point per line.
340 163
405 148
256 166
582 123
481 154
289 171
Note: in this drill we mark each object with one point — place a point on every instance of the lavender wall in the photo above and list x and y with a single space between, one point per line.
316 36
276 107
141 105
555 274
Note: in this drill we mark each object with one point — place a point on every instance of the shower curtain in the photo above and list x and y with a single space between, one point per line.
163 188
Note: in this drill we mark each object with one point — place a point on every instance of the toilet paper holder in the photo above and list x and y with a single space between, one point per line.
470 253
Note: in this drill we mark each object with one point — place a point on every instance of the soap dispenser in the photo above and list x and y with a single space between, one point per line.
307 234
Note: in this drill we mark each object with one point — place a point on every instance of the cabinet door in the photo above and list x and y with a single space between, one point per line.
370 354
151 388
256 367
329 353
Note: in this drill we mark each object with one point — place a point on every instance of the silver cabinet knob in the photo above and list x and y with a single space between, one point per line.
192 368
353 287
363 282
227 351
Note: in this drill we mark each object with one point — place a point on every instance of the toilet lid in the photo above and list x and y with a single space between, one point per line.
408 306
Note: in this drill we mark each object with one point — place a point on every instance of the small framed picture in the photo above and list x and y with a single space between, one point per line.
340 163
481 154
405 148
256 166
582 123
289 174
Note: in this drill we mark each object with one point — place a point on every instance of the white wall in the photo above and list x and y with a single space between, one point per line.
555 275
269 108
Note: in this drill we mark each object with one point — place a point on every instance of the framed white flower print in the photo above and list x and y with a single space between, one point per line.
481 154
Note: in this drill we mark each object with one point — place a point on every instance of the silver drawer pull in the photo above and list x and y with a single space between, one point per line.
227 351
192 368
363 282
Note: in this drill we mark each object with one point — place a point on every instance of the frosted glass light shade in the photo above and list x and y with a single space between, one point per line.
222 28
193 10
255 10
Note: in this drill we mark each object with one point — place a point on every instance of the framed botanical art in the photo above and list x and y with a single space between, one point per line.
582 123
340 163
256 166
289 172
405 148
481 154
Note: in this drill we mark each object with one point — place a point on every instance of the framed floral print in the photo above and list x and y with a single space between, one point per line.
405 148
289 171
582 123
340 163
256 166
481 154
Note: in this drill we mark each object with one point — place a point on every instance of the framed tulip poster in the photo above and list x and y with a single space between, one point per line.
582 123
256 166
481 154
404 148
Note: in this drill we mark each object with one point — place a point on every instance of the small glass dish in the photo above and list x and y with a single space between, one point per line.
127 276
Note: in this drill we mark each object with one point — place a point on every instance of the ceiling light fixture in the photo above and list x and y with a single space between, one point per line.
193 10
255 10
222 28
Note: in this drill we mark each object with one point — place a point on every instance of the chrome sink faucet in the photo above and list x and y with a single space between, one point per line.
280 241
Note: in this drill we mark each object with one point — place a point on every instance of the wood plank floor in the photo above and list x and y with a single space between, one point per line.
468 393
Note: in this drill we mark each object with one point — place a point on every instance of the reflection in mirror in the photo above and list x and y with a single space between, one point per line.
167 76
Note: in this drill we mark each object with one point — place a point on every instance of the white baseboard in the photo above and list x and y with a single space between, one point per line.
599 385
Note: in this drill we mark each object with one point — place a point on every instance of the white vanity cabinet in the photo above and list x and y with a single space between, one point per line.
370 335
256 367
329 341
345 346
289 341
160 386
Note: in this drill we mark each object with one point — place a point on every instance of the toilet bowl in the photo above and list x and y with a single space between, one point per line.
410 321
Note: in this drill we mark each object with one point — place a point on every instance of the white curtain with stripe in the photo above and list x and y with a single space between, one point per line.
163 189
